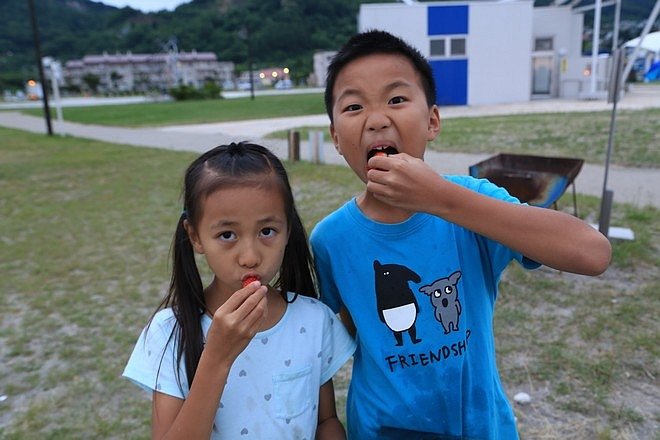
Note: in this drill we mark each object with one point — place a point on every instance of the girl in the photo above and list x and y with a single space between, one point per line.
244 357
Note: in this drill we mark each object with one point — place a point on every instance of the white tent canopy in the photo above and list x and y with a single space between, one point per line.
651 42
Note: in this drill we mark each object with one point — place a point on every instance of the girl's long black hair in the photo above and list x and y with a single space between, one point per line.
236 164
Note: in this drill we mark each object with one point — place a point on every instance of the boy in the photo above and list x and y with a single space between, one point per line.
412 264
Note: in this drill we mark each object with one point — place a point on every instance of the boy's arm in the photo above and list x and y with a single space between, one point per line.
549 237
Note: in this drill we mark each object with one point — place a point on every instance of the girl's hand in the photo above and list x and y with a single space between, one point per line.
236 322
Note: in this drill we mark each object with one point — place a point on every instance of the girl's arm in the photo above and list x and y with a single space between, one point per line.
329 426
347 320
193 417
549 237
234 325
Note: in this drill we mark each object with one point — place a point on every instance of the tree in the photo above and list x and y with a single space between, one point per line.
92 82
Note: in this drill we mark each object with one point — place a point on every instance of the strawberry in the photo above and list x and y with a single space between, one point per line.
378 153
249 279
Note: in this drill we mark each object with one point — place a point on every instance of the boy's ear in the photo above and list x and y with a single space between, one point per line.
335 140
193 237
434 123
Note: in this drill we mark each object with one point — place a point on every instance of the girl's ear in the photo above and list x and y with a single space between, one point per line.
193 237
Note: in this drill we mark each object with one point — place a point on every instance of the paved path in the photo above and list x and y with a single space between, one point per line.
639 186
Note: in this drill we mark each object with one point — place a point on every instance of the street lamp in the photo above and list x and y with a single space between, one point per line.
244 34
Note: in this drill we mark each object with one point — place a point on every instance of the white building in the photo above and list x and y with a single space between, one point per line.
321 62
142 72
492 52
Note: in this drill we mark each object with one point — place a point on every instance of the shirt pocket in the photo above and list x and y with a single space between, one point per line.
292 392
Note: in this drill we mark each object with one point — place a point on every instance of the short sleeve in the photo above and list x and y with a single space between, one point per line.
327 287
338 345
151 365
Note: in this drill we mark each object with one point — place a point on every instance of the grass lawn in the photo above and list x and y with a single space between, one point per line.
85 235
194 112
583 135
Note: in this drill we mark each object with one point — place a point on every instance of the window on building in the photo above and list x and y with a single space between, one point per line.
543 44
457 46
438 48
448 47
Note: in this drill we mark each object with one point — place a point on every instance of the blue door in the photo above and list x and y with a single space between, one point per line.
451 81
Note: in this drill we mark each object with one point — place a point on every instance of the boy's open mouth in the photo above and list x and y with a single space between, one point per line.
380 151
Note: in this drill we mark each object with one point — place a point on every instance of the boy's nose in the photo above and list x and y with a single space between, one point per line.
377 121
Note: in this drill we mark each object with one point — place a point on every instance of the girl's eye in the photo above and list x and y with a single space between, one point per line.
397 100
353 108
268 232
227 236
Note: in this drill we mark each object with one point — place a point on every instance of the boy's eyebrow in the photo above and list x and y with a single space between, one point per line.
356 92
396 84
348 92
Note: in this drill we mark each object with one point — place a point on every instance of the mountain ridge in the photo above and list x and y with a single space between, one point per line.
280 32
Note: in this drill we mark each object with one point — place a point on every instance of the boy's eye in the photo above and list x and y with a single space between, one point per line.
353 108
226 236
268 232
397 100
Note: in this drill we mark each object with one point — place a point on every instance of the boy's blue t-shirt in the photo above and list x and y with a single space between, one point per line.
421 294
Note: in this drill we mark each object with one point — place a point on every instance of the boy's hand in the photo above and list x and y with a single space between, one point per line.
403 181
237 321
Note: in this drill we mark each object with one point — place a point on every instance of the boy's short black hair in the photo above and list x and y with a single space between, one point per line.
377 42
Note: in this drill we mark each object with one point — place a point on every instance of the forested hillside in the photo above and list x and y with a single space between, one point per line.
280 31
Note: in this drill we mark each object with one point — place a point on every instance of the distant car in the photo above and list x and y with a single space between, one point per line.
244 85
284 84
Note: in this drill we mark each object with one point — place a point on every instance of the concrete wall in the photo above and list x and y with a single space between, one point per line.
562 25
499 49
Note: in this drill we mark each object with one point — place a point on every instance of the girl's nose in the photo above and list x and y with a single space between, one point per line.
249 255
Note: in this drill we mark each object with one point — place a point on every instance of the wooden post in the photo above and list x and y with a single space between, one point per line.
294 146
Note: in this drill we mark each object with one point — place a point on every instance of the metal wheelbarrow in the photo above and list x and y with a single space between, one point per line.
537 180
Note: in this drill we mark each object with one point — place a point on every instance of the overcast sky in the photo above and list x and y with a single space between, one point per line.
145 5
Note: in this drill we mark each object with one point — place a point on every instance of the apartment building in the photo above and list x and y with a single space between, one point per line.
143 72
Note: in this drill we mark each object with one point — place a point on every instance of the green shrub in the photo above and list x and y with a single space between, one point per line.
186 92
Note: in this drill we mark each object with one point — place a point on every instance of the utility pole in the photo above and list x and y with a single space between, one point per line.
594 48
42 77
613 97
645 31
244 33
617 20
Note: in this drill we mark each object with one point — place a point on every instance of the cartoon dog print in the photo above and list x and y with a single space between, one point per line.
444 298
